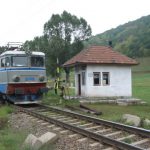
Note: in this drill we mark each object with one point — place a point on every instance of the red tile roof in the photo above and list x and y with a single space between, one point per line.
100 55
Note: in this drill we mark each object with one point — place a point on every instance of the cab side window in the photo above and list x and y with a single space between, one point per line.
5 62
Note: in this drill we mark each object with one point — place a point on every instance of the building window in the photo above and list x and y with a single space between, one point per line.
106 78
96 78
83 67
83 78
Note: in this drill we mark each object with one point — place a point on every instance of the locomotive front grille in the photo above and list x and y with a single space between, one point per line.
19 91
25 88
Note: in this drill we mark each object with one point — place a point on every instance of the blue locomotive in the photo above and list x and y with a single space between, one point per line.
22 76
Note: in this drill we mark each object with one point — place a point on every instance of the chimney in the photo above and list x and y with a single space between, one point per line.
110 43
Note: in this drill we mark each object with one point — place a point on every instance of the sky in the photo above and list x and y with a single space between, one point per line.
22 20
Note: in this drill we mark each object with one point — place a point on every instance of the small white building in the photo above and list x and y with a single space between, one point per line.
102 72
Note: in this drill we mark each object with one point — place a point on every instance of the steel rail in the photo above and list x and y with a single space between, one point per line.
95 136
135 130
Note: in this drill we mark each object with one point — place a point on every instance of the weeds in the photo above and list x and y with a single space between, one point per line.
128 140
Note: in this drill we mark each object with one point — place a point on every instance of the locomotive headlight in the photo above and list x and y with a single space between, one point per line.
41 78
16 78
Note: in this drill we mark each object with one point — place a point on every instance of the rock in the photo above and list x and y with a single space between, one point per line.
128 101
147 122
132 119
32 142
48 137
122 103
35 143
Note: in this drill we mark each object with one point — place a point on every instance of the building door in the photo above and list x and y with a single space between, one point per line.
79 84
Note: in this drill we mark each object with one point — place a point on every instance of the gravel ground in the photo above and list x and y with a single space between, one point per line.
21 122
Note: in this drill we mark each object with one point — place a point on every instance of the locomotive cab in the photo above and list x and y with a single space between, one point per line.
22 76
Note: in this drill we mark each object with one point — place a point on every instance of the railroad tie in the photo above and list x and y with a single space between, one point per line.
62 118
82 140
75 123
126 137
73 135
41 110
102 131
95 145
65 118
57 129
140 142
64 132
51 126
52 115
34 119
59 117
109 148
49 113
39 121
114 133
45 123
31 117
68 120
55 116
95 127
84 125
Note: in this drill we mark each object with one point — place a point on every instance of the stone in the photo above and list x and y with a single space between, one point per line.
35 143
147 122
132 119
128 101
48 137
122 103
32 142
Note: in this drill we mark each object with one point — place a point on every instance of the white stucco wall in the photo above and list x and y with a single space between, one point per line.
120 81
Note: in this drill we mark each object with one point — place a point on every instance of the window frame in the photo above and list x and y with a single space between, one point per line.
108 73
5 58
99 74
35 57
83 76
19 56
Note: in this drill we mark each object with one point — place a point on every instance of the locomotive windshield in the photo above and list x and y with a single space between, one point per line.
19 61
37 61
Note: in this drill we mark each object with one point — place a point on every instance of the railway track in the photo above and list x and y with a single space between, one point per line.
109 134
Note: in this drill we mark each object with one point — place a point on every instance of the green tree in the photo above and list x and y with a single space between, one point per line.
132 38
2 49
63 38
65 34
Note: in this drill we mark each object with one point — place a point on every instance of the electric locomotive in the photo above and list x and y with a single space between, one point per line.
22 76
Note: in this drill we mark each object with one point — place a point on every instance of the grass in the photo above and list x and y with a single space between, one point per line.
141 86
55 100
143 66
5 111
114 112
10 140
